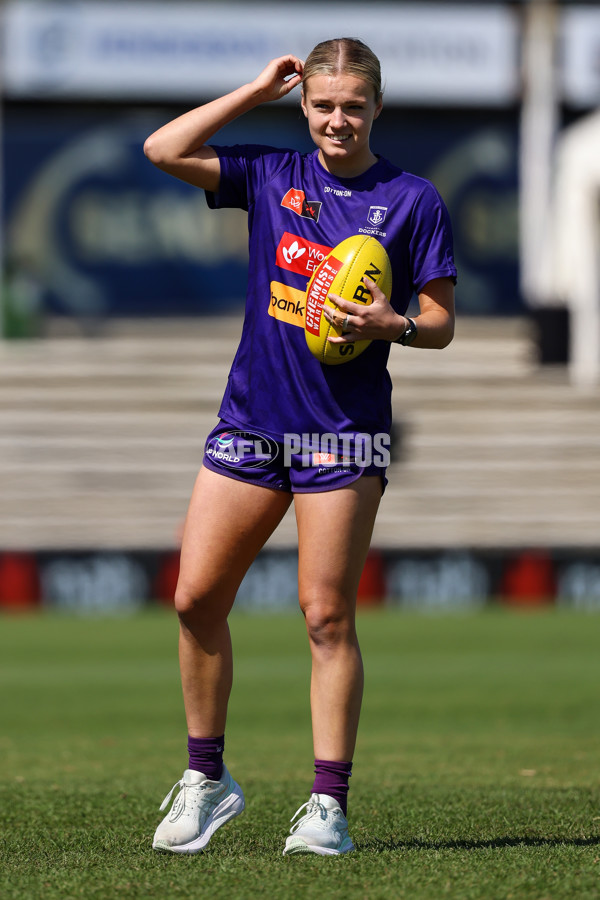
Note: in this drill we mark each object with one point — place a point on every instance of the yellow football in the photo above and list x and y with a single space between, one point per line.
342 272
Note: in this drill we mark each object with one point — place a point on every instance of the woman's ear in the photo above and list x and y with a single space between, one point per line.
303 103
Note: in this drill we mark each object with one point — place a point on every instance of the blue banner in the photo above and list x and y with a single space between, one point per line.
101 232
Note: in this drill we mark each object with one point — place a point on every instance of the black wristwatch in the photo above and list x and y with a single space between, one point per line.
408 336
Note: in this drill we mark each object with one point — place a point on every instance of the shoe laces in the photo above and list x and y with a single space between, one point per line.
180 802
178 784
313 808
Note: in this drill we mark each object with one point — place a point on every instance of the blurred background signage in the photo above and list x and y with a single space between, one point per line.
431 52
581 55
91 229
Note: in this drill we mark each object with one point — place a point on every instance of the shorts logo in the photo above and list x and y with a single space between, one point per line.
299 255
287 304
241 449
296 200
324 459
377 215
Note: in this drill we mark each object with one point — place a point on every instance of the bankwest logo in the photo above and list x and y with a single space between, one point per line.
297 202
299 255
287 304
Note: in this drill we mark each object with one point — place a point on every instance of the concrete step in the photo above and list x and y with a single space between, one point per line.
101 439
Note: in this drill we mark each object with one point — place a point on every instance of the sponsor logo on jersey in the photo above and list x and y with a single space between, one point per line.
337 191
317 294
287 304
296 200
299 255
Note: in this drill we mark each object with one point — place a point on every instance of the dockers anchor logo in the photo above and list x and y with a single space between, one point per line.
377 215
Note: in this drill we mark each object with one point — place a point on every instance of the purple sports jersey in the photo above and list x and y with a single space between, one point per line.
297 212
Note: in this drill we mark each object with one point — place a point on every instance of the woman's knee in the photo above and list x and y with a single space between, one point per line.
329 623
200 606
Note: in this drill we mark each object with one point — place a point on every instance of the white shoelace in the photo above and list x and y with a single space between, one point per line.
312 808
180 784
181 799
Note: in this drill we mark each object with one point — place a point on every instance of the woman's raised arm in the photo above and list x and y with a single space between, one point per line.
180 147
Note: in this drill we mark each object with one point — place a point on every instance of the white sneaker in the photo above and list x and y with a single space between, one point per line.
200 807
323 829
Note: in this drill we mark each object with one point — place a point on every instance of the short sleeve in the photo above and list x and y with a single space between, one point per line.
431 244
245 169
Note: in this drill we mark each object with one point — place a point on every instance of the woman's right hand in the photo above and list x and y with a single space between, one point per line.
278 78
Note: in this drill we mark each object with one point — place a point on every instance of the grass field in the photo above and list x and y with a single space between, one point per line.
476 774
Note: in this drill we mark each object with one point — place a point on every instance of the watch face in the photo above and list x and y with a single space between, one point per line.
410 333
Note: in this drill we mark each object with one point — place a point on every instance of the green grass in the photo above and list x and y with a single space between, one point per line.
476 773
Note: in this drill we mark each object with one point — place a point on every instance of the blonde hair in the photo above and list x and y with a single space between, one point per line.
348 56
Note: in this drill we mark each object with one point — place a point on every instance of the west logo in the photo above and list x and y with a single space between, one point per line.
296 200
287 304
299 255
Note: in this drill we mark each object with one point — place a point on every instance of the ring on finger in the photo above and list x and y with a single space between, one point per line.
345 323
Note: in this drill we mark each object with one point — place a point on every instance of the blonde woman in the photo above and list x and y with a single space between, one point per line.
265 452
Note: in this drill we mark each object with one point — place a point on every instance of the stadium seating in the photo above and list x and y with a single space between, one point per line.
101 438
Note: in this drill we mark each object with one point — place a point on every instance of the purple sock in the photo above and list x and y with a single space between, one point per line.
332 779
206 755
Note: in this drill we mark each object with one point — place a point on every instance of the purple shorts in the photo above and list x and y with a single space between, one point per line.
307 463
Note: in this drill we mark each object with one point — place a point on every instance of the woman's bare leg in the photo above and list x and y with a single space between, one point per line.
334 531
228 522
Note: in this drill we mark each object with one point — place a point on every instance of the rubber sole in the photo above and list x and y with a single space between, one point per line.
228 809
298 846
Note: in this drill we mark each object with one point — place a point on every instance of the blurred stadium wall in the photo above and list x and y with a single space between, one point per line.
104 234
100 233
95 237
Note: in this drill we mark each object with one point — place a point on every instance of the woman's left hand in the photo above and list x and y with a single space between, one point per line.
356 322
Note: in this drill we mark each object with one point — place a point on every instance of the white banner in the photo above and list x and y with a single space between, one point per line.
430 52
581 55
